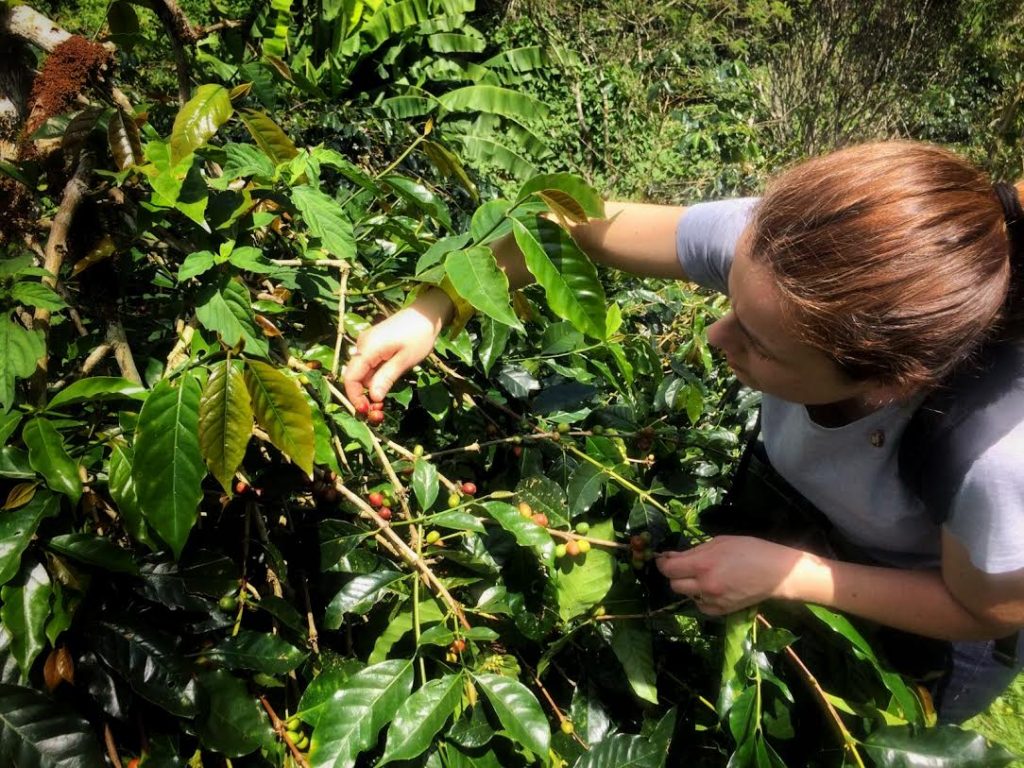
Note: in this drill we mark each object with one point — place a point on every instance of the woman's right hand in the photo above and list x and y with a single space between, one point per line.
391 347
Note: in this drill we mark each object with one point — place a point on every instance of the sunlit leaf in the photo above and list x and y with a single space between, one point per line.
199 119
225 422
282 411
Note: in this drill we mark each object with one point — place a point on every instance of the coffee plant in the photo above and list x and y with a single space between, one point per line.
209 556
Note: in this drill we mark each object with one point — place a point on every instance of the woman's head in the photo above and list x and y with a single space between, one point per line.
887 263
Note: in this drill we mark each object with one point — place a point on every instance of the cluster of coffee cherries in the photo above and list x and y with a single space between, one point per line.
640 549
293 730
575 547
372 411
455 650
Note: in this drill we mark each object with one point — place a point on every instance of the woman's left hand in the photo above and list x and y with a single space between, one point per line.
729 573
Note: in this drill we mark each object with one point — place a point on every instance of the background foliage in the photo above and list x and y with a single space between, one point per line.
207 556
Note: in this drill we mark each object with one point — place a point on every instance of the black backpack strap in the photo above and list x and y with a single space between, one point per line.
976 408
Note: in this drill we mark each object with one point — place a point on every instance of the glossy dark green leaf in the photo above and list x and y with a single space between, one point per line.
8 425
358 596
94 550
547 496
36 732
225 422
282 411
230 721
494 339
526 532
623 750
737 645
905 697
14 464
168 468
571 285
325 219
319 694
425 483
226 309
48 457
25 609
122 490
420 718
583 582
198 119
97 388
518 710
475 275
944 746
18 526
362 705
631 642
586 484
260 651
150 662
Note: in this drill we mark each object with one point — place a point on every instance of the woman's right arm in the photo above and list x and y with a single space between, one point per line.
635 237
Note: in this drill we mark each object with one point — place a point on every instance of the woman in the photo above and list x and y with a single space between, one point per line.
858 283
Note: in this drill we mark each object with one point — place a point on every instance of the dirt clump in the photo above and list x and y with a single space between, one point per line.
71 66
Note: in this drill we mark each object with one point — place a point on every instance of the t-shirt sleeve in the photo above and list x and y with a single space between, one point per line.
706 237
988 511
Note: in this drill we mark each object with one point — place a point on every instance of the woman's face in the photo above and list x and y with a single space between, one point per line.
762 347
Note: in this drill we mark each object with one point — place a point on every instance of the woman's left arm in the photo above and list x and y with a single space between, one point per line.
960 603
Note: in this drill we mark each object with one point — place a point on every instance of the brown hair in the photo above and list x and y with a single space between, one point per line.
893 258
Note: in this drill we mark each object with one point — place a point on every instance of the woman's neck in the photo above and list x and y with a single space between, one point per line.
832 415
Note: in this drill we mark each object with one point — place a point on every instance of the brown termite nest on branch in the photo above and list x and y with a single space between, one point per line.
17 203
73 65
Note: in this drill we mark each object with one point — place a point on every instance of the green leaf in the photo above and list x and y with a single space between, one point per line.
362 705
48 457
246 160
624 751
36 732
569 279
225 422
14 464
268 136
259 651
8 425
122 490
588 198
586 484
420 718
282 411
483 150
34 294
518 710
168 468
25 609
151 663
943 746
195 264
355 429
906 699
526 532
358 596
494 339
18 526
475 275
545 495
198 120
124 140
94 550
227 310
97 388
734 680
19 351
631 642
583 582
495 100
325 219
230 721
424 483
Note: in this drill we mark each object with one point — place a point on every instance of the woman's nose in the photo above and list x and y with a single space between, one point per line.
719 333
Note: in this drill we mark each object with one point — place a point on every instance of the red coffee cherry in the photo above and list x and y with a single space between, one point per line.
375 417
385 513
376 499
241 487
469 489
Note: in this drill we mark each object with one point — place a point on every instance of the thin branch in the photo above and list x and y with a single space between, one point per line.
336 365
282 733
56 250
122 352
108 740
183 35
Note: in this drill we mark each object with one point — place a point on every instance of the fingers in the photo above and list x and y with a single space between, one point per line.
356 371
686 586
386 376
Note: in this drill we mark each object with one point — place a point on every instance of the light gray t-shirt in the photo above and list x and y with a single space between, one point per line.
847 472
